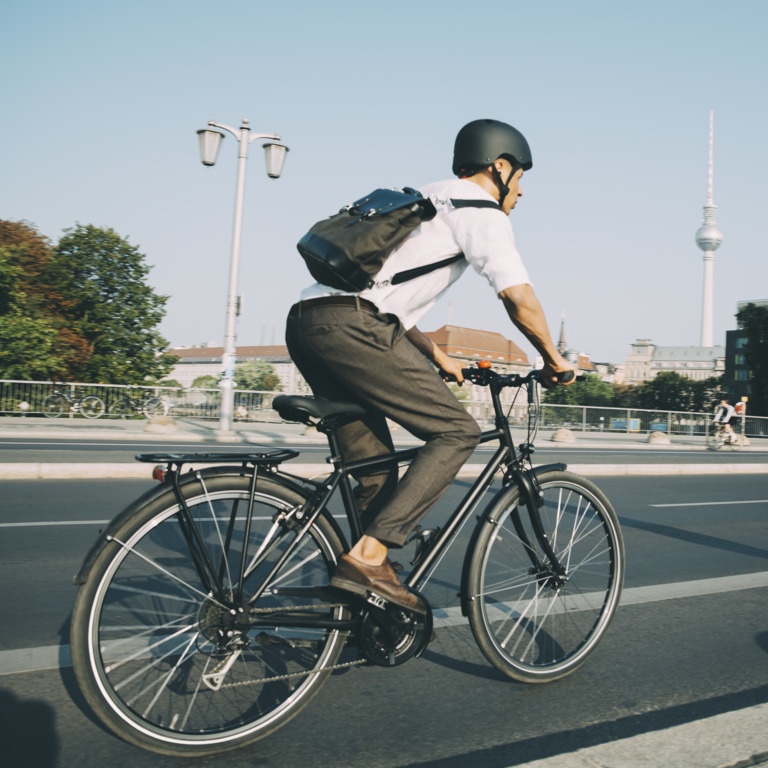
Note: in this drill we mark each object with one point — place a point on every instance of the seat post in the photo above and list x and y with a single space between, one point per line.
329 427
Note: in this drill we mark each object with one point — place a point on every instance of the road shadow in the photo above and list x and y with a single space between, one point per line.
27 732
694 538
553 744
67 676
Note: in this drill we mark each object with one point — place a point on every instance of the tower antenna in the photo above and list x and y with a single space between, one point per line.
708 238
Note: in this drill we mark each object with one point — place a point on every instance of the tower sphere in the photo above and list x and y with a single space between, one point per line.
709 237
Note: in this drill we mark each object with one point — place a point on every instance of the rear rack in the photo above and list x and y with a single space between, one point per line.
227 457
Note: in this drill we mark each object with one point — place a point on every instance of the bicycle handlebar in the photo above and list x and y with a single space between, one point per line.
483 376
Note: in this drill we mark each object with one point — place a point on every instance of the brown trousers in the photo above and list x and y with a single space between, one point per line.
356 354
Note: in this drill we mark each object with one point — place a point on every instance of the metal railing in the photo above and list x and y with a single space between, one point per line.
25 398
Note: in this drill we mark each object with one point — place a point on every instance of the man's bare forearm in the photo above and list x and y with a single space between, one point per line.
526 313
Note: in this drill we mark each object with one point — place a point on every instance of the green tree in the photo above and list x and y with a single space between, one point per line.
257 375
626 396
101 279
205 382
754 321
669 391
36 342
592 391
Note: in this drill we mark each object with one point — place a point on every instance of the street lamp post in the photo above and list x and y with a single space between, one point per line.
210 140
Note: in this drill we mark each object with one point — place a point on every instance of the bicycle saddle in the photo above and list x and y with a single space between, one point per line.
305 409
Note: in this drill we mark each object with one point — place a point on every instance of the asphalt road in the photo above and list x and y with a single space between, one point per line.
690 641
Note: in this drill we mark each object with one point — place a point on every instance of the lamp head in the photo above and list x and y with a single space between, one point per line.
274 155
210 141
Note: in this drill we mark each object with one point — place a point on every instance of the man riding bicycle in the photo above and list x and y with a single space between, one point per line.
723 417
365 347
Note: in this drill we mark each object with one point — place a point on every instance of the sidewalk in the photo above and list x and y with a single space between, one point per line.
193 434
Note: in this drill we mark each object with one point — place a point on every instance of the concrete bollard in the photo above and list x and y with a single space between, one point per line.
659 438
161 424
563 435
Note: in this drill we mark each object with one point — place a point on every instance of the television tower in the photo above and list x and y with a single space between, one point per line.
708 238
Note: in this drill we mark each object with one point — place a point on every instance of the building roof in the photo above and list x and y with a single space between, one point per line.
471 343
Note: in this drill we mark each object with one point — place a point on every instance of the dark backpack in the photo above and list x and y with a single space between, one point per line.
347 250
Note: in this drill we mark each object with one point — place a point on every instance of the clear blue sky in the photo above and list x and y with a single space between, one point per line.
101 101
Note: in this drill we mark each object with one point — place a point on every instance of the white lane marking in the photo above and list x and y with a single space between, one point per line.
53 522
58 656
711 503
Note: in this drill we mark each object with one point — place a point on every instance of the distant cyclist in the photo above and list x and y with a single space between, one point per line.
723 417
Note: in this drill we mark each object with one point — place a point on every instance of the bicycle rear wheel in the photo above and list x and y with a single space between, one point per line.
53 406
92 407
164 661
535 623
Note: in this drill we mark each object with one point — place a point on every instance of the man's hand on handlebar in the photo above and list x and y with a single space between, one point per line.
451 370
563 374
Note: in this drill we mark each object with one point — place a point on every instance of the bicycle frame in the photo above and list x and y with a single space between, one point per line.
506 457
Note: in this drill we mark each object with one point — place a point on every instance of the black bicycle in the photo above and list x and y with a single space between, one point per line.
144 404
204 619
89 406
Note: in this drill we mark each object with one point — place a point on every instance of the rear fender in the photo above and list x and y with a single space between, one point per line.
149 497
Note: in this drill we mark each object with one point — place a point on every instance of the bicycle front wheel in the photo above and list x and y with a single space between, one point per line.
92 407
535 620
53 406
715 441
153 407
162 657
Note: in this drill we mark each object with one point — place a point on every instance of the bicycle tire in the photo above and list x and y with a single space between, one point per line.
92 407
715 441
153 407
53 406
144 627
531 624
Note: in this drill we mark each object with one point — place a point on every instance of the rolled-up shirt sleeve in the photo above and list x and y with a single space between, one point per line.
488 243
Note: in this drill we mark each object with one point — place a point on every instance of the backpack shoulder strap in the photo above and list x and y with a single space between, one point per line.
410 274
476 204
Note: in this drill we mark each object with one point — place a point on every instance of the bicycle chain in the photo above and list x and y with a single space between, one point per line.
291 675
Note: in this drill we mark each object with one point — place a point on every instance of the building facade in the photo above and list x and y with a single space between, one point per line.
737 372
206 361
647 360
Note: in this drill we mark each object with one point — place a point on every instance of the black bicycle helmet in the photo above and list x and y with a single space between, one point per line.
481 142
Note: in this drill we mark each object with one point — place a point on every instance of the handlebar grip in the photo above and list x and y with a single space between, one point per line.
565 376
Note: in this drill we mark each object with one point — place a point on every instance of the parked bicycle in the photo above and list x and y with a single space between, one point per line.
143 404
204 619
62 400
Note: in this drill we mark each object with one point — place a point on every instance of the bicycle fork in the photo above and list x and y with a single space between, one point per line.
550 571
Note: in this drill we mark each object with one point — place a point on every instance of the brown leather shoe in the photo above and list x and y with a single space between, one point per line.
353 576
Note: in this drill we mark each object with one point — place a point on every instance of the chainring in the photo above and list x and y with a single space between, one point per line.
391 635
